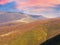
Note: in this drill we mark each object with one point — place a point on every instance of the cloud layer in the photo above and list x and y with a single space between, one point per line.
41 3
5 1
29 3
48 8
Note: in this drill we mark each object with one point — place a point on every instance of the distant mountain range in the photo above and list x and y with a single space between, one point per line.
18 16
39 17
12 18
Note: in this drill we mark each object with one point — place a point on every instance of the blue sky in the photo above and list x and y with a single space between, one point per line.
8 7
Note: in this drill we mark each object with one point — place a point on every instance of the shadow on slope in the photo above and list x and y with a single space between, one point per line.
53 41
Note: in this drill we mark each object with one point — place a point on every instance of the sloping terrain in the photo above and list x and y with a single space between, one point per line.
33 33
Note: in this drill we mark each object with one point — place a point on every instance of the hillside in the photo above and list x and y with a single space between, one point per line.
33 33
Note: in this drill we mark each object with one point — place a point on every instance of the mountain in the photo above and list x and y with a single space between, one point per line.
33 33
39 17
7 16
11 18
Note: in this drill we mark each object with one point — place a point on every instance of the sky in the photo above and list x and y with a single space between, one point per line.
47 8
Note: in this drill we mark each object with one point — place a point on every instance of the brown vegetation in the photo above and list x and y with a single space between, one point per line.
47 29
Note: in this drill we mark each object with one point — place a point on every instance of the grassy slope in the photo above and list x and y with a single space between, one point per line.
34 33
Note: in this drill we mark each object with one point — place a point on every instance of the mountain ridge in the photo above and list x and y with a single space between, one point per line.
11 16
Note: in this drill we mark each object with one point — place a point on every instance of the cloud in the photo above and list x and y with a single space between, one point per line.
22 4
48 8
42 3
5 1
